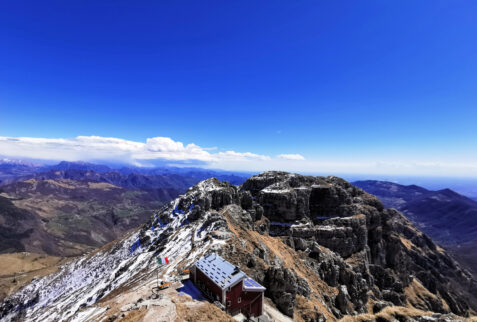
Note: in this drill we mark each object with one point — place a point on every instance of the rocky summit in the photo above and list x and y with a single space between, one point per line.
323 248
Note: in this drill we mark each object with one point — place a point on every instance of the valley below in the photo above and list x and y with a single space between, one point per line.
68 217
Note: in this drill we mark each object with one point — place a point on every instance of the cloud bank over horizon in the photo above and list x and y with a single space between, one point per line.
159 151
154 151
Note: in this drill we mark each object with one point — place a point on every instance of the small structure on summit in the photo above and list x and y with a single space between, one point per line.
223 282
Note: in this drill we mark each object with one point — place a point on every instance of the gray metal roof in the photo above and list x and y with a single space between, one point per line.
250 284
220 271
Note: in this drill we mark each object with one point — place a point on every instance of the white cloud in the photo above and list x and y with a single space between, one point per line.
232 155
291 156
163 150
96 148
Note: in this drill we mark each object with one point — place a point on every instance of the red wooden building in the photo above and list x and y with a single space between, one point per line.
227 284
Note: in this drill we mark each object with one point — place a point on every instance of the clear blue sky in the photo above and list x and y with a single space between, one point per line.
329 80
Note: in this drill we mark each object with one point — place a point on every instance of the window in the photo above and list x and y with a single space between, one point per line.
239 300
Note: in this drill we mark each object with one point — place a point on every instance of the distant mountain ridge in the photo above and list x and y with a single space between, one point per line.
69 208
9 170
128 177
66 165
446 216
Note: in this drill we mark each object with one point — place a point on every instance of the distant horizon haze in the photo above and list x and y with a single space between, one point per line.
466 186
159 151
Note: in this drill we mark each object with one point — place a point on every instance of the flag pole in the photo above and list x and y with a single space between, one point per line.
157 274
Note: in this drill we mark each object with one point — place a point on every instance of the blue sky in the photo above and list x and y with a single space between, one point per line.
350 86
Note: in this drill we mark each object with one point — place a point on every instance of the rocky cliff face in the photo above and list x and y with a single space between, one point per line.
449 218
353 244
323 248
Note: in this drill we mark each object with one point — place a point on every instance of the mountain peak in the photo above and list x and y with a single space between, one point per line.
80 165
313 242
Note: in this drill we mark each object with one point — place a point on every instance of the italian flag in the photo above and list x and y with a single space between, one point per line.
162 260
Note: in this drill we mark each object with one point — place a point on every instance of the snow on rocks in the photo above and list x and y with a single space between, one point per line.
69 293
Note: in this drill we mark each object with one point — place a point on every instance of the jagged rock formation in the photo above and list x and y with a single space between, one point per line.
323 248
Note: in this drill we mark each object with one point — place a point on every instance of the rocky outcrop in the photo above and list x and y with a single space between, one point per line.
344 235
354 244
283 286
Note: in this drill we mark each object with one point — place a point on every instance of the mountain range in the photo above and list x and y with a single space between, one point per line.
323 248
12 170
73 207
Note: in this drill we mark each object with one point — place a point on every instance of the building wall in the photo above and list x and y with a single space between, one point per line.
251 303
256 308
206 284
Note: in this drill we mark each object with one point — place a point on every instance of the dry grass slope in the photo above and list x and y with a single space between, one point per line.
18 269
